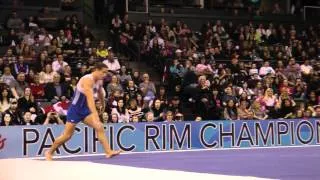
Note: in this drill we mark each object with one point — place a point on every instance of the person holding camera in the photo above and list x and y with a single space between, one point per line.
53 118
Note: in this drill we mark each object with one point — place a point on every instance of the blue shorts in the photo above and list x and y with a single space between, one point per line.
77 114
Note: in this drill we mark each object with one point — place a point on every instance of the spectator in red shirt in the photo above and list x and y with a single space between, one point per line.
37 89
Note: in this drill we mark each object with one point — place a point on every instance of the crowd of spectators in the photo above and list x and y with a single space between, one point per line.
223 71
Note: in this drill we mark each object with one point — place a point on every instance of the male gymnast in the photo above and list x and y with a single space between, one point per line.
83 108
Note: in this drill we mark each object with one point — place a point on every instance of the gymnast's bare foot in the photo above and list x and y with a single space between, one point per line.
48 156
113 153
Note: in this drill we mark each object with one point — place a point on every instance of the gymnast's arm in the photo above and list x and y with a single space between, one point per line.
102 95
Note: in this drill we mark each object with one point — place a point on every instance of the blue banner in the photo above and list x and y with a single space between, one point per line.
32 141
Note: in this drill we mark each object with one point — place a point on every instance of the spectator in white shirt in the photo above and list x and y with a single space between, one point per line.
46 76
112 63
306 68
266 69
59 64
160 41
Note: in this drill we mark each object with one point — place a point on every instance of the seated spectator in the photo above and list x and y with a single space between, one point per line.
176 71
53 118
136 77
121 111
67 74
299 90
269 102
55 90
162 95
27 119
114 85
147 87
14 113
228 95
30 76
158 110
7 77
114 118
286 110
102 50
28 54
244 112
266 69
9 57
131 89
230 111
258 112
26 103
112 63
17 87
104 118
6 120
4 100
37 89
245 89
70 47
299 114
47 75
134 109
285 86
58 65
124 75
306 68
169 117
149 117
20 66
293 70
313 99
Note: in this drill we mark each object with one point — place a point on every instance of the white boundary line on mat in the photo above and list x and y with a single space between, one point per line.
180 151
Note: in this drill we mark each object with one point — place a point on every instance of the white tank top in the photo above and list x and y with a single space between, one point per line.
96 86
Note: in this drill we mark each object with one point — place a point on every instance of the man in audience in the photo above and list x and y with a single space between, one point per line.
56 90
17 87
58 64
112 63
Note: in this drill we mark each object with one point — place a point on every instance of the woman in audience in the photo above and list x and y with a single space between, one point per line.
27 103
269 102
114 85
244 112
4 100
286 110
230 111
121 111
124 76
258 111
114 118
47 75
37 89
169 117
6 120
